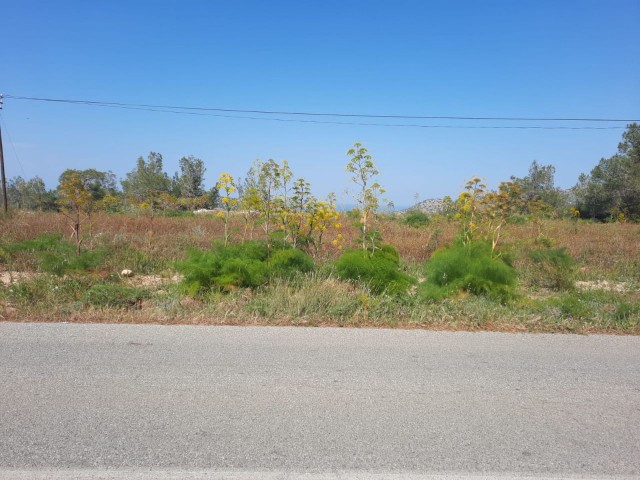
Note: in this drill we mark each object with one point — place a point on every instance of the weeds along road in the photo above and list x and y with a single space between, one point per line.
142 402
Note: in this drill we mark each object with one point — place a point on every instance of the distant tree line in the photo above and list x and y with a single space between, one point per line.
611 191
146 186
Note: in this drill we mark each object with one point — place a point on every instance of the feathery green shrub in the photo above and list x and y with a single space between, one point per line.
378 269
246 265
285 262
472 268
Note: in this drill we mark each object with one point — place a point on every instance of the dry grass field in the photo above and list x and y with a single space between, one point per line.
606 298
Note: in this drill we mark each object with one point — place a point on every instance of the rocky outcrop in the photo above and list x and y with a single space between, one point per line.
431 205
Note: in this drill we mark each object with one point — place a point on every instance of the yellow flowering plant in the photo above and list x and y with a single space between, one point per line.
468 207
484 213
226 187
321 217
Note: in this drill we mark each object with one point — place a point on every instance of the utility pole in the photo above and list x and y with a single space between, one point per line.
4 179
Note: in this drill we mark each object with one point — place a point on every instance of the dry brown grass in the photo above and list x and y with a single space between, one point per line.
600 247
608 252
235 314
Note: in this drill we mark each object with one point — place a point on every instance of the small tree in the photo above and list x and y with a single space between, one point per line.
538 186
498 206
322 216
76 202
469 208
226 186
249 202
282 202
147 181
367 197
191 179
300 202
268 184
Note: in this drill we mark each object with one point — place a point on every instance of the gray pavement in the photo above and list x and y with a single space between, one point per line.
142 402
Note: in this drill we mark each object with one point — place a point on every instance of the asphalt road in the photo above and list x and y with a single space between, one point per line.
142 402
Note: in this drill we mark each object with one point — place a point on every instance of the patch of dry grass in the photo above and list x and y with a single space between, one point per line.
600 245
605 252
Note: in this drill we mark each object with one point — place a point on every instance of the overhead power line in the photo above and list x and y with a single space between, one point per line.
329 122
206 111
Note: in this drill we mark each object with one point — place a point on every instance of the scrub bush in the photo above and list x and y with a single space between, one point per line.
416 219
378 269
471 268
246 265
284 263
553 268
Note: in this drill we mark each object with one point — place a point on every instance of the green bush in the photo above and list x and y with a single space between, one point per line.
553 268
416 218
283 263
56 256
379 270
472 268
178 213
239 265
114 296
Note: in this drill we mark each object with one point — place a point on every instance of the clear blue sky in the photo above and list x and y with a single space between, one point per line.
538 58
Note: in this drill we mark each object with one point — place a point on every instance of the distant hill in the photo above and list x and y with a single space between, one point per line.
435 205
431 205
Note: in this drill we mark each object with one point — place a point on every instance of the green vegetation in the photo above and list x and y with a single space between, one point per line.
553 268
53 255
368 191
612 189
287 296
109 295
468 267
244 265
538 188
608 193
416 219
378 270
493 259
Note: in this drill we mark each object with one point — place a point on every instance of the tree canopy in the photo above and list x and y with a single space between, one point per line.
190 182
613 186
539 186
148 180
97 183
30 194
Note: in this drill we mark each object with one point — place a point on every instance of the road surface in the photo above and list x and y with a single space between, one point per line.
143 402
